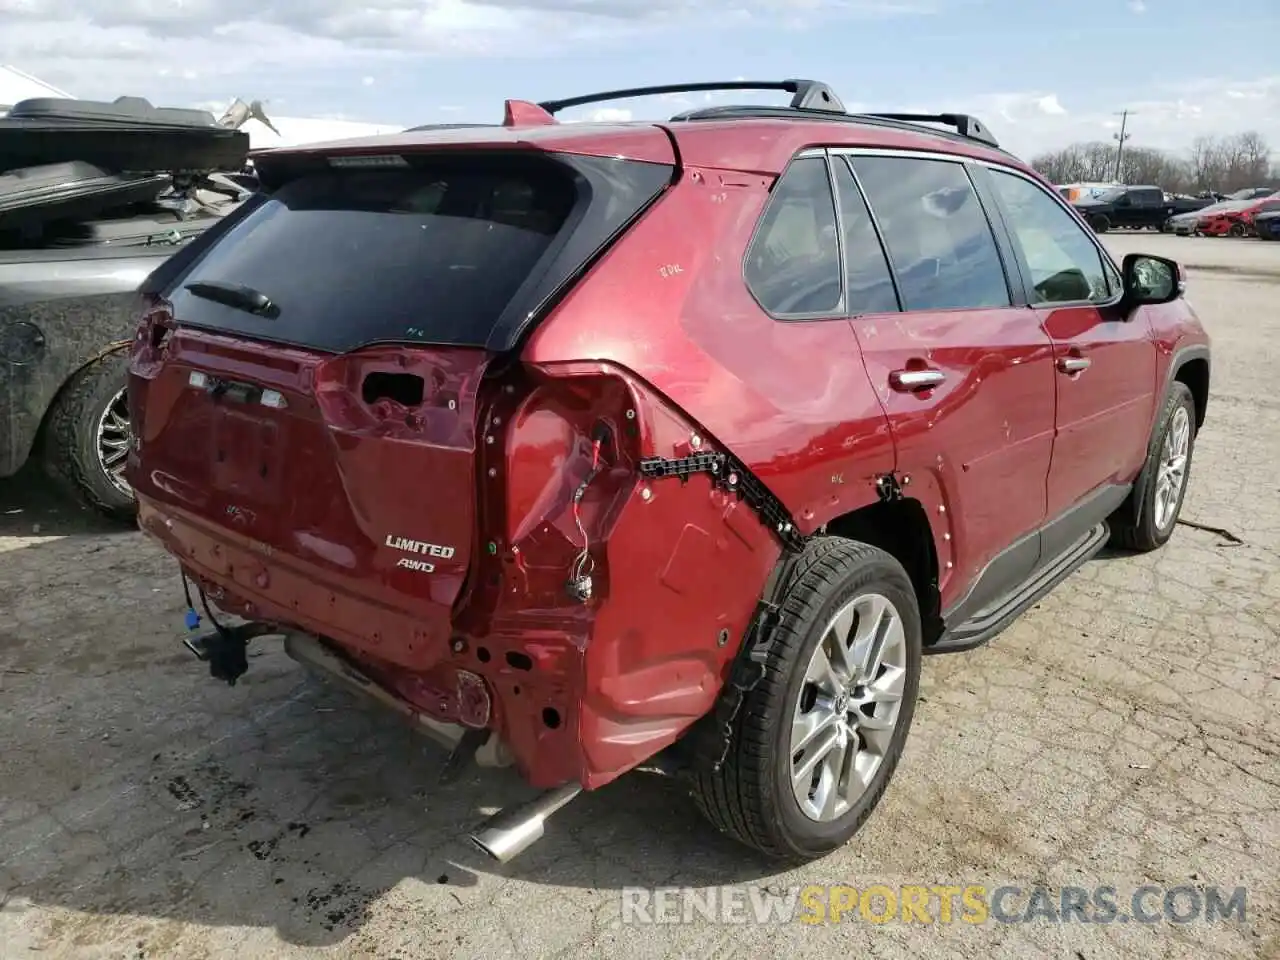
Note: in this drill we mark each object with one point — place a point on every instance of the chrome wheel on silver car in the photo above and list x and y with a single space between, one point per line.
113 440
87 436
1171 473
845 715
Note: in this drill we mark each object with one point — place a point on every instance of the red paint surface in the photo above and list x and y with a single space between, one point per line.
284 514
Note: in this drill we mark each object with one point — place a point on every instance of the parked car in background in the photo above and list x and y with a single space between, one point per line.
1267 225
1237 220
1251 193
890 391
1072 192
1188 224
77 237
1136 208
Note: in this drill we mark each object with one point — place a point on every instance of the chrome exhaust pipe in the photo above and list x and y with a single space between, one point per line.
509 833
310 652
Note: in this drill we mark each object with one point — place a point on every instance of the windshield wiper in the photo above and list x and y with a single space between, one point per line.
235 296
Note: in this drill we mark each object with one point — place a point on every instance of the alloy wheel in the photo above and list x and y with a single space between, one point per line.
848 707
1171 474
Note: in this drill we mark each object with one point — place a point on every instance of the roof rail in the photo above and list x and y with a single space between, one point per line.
963 124
445 126
807 94
965 127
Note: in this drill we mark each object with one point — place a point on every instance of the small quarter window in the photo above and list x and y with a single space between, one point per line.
793 263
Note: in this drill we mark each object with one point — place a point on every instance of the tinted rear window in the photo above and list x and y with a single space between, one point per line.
431 255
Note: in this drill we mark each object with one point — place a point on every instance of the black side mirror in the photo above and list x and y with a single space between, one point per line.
1150 280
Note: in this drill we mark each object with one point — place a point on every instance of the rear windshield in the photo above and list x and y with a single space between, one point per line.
432 254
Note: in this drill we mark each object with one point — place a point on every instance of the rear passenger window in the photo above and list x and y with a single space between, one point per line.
941 245
1065 264
868 283
793 264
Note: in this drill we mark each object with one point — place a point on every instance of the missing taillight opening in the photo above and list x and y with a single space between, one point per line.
406 389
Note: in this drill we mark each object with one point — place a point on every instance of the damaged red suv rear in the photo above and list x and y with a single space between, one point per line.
596 447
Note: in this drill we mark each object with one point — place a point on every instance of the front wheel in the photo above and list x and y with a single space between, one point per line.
87 437
1238 230
1165 476
816 742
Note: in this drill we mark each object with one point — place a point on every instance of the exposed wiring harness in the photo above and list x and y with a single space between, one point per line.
192 618
584 565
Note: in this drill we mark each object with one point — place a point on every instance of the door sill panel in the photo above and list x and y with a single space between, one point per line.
987 623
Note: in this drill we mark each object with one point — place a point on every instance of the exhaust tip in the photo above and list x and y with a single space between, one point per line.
483 847
506 842
509 833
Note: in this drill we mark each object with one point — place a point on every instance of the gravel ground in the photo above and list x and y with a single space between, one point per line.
1124 732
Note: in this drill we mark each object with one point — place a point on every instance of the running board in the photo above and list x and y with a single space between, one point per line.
986 624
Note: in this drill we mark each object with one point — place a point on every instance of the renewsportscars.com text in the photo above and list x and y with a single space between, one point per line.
934 903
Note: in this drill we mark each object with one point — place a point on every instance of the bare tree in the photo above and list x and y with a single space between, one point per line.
1212 163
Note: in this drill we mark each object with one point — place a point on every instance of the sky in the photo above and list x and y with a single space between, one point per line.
1039 73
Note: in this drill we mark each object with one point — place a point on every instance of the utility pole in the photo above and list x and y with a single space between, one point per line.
1121 137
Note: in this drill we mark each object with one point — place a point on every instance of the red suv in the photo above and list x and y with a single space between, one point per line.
665 445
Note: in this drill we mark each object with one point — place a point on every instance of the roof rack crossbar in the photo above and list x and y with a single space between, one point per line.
806 94
962 123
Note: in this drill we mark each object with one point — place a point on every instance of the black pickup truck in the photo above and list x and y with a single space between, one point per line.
1134 208
93 197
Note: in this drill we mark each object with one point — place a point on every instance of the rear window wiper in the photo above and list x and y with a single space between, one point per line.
236 296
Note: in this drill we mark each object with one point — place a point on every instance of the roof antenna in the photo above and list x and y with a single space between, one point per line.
240 112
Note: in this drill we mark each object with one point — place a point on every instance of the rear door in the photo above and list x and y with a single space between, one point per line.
964 374
1105 362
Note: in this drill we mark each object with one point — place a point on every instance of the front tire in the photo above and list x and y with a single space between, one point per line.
1166 474
1100 223
87 437
816 742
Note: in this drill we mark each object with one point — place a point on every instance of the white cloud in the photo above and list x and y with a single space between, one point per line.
1137 6
120 45
299 55
1050 105
1169 118
610 115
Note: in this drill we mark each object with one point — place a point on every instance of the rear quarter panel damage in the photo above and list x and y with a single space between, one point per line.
669 311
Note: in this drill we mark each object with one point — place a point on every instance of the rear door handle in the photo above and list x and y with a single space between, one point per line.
1074 364
909 381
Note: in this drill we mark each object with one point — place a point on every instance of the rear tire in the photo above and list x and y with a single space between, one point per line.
839 585
1238 230
1165 484
87 437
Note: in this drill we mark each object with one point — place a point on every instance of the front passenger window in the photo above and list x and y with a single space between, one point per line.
1065 265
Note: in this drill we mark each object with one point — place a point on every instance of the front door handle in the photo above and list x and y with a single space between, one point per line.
1074 364
909 381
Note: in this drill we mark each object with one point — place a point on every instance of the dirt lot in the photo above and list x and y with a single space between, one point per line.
1126 731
